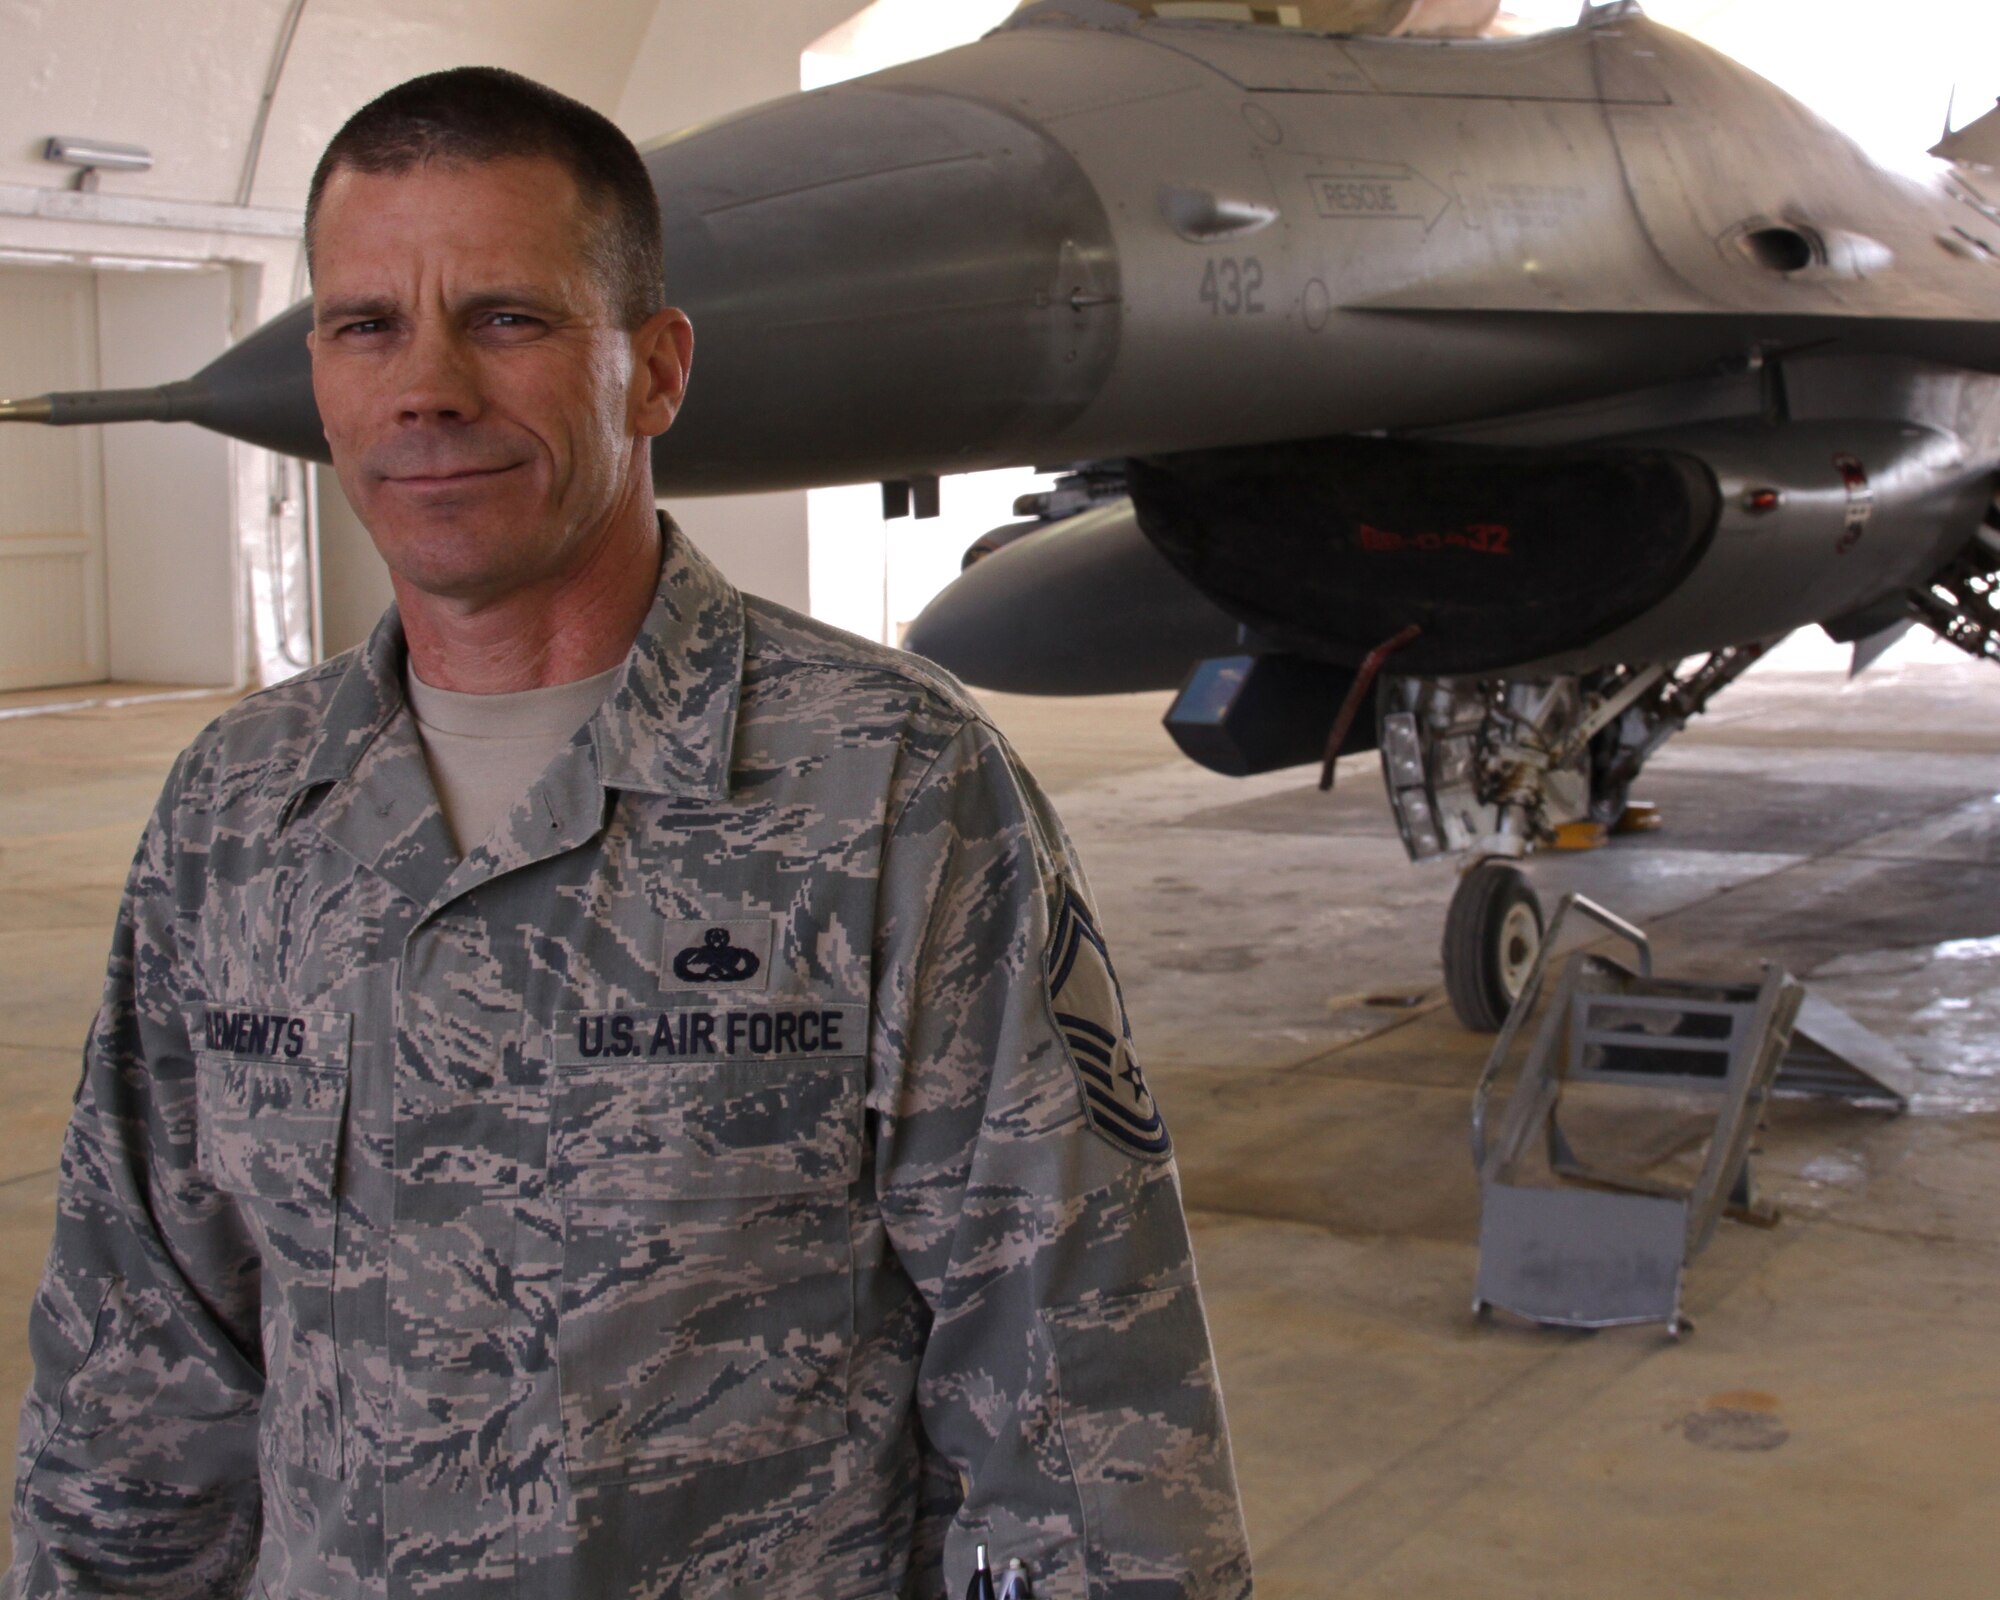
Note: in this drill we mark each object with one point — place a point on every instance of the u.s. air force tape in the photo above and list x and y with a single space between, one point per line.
801 1030
1090 1020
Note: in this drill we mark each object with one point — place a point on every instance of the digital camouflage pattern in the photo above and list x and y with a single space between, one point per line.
487 1227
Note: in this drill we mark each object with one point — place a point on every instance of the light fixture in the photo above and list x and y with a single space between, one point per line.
36 258
91 156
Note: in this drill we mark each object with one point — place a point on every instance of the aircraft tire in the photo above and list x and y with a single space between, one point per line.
1492 934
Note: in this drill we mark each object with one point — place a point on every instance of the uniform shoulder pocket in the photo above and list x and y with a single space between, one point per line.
1142 1423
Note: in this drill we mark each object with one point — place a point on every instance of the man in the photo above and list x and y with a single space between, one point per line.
614 1088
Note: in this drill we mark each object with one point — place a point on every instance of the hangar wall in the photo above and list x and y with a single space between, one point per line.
52 515
187 79
171 573
701 59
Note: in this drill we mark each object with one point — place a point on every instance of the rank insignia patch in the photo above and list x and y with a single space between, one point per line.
1090 1015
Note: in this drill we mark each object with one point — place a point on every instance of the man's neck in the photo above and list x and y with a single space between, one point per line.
555 631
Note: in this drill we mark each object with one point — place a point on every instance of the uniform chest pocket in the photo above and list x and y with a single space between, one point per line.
707 1303
270 1096
270 1100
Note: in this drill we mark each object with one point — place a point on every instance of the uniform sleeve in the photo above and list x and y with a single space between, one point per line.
136 1471
1028 1188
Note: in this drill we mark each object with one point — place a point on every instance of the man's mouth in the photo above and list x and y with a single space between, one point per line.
450 477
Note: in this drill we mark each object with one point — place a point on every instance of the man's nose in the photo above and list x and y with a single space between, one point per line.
437 377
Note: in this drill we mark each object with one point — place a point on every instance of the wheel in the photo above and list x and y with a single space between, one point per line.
1492 935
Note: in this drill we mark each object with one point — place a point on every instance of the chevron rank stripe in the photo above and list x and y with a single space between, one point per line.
1090 1018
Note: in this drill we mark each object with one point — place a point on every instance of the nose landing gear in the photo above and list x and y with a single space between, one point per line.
1492 769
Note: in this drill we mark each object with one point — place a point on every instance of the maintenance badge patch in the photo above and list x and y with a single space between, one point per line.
1090 1018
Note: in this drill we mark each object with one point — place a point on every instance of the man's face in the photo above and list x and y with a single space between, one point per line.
486 413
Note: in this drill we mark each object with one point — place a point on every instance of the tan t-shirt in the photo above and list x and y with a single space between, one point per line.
486 750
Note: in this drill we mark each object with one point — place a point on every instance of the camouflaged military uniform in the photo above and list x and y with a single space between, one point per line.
733 1179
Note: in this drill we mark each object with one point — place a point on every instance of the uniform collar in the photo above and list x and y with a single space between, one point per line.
667 727
367 696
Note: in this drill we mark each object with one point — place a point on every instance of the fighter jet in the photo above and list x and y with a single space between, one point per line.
1490 402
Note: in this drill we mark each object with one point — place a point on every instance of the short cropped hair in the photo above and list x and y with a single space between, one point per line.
478 114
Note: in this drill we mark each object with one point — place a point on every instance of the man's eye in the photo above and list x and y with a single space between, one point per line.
367 326
512 321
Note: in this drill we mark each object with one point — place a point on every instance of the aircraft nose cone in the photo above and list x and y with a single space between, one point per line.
882 283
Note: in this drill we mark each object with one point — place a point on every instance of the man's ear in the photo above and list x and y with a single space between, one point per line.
663 352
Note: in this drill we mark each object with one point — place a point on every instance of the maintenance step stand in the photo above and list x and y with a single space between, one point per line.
1604 1248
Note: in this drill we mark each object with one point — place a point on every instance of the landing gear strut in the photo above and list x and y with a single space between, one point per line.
1492 935
1492 768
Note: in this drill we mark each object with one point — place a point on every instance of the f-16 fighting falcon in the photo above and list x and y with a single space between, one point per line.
1491 402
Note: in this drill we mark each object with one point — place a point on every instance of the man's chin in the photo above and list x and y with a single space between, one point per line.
451 553
463 589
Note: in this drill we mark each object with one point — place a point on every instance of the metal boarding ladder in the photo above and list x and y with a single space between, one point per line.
1604 1248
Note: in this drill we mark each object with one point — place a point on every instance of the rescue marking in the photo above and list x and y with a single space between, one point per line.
1537 205
1378 191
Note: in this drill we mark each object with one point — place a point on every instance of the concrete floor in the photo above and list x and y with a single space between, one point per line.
1831 1429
